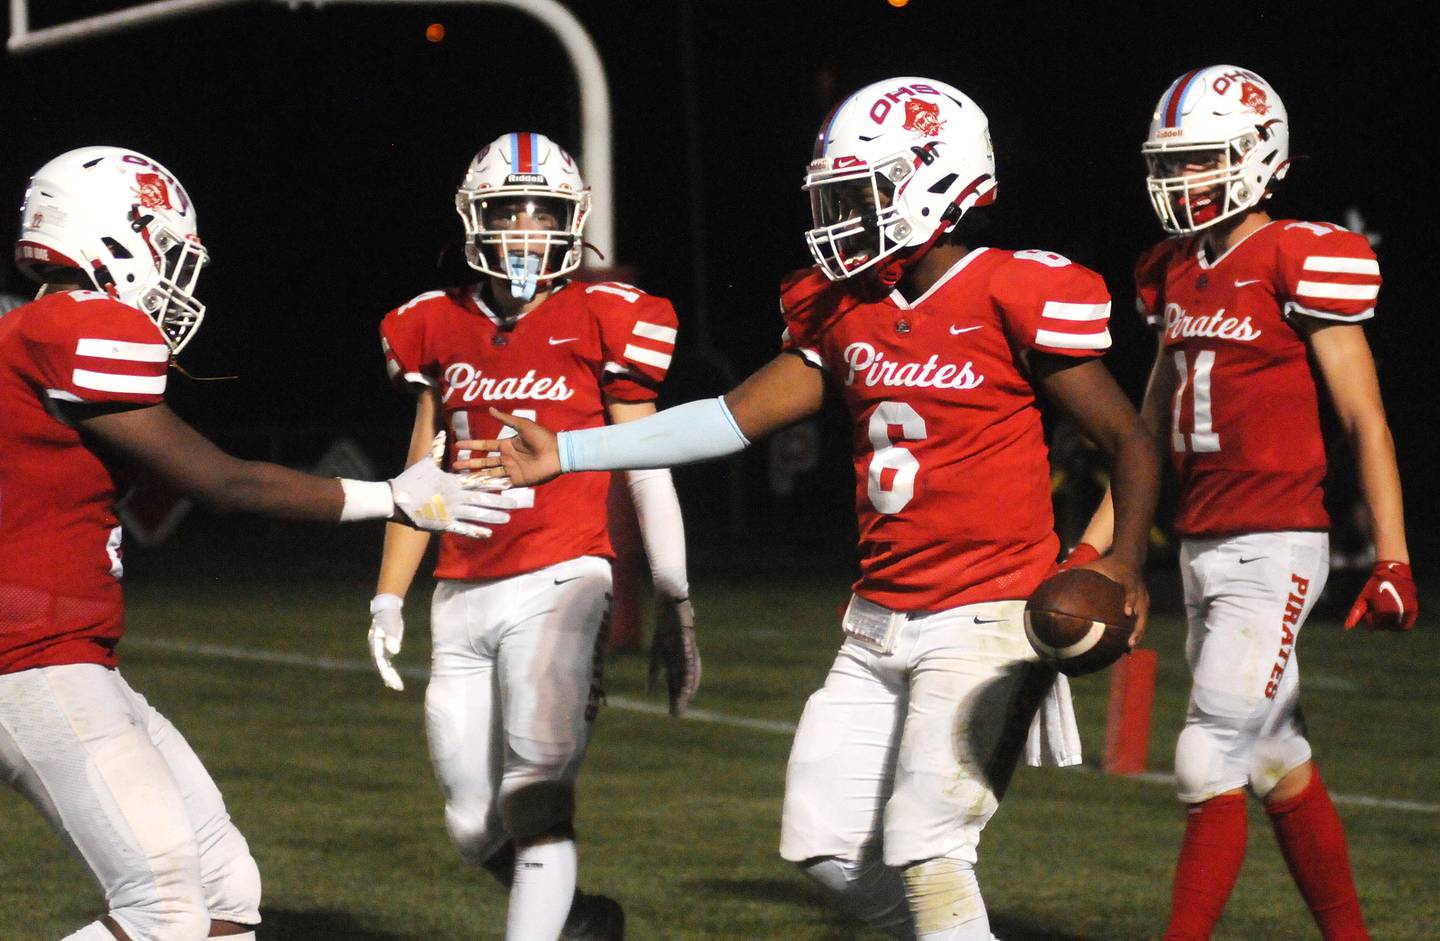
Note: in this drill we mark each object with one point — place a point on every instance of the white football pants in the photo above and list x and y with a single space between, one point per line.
130 798
1246 598
514 683
913 748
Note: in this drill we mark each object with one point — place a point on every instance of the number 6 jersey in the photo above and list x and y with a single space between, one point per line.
1244 433
952 474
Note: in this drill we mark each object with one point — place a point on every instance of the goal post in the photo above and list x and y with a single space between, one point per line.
596 149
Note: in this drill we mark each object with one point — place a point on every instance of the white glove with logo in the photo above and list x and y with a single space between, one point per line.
428 498
387 630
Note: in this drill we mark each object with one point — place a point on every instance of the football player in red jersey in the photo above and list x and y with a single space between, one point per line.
940 350
1244 303
111 235
518 626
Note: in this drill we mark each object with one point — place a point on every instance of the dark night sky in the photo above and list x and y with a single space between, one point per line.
322 149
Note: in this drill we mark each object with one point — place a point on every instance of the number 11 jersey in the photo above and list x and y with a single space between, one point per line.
952 475
1244 432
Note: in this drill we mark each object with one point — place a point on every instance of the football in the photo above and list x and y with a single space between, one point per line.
1076 621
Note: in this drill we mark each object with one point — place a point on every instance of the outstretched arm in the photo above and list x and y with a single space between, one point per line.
1090 396
422 496
1342 353
165 444
781 393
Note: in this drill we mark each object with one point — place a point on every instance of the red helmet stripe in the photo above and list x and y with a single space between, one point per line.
525 163
1177 96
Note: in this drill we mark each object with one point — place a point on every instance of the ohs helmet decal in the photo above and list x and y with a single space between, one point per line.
1218 141
896 165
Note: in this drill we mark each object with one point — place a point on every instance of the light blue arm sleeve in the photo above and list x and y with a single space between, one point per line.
685 434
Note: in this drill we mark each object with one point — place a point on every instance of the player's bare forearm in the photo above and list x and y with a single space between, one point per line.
1092 399
1100 531
1343 356
158 439
780 393
1380 485
404 548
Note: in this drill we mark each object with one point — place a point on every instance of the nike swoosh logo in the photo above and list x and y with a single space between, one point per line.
1241 284
956 331
555 342
1387 587
1257 558
561 581
989 620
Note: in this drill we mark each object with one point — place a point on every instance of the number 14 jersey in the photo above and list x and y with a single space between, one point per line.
1245 435
952 475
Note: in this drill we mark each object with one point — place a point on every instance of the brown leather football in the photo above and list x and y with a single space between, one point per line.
1076 621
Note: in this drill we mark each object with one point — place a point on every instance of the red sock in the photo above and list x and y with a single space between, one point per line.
1210 858
1312 840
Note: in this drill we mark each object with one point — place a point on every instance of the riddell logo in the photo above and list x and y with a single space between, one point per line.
515 178
922 117
1253 97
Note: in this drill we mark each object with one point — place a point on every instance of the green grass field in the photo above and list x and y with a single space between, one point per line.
326 772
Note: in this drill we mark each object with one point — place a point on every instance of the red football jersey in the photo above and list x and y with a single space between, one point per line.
557 365
952 474
1245 421
60 598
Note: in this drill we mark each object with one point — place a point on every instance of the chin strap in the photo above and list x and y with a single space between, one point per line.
980 192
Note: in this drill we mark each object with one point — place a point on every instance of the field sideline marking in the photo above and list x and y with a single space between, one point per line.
625 703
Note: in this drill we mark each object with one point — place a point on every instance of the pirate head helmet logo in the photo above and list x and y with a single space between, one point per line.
151 191
922 117
1253 97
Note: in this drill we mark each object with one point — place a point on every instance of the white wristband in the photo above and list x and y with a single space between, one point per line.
366 500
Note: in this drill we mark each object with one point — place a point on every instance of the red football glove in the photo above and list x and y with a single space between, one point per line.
1082 554
1388 601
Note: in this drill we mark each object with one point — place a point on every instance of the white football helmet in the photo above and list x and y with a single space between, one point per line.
895 167
125 222
1218 139
523 174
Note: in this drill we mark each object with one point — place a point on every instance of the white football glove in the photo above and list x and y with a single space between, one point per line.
387 630
673 650
428 498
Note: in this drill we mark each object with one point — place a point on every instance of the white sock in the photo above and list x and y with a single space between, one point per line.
944 896
94 931
543 889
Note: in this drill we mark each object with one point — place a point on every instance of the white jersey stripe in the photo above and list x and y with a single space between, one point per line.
655 331
121 349
649 357
1342 265
1059 310
1340 292
1073 341
631 296
111 382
